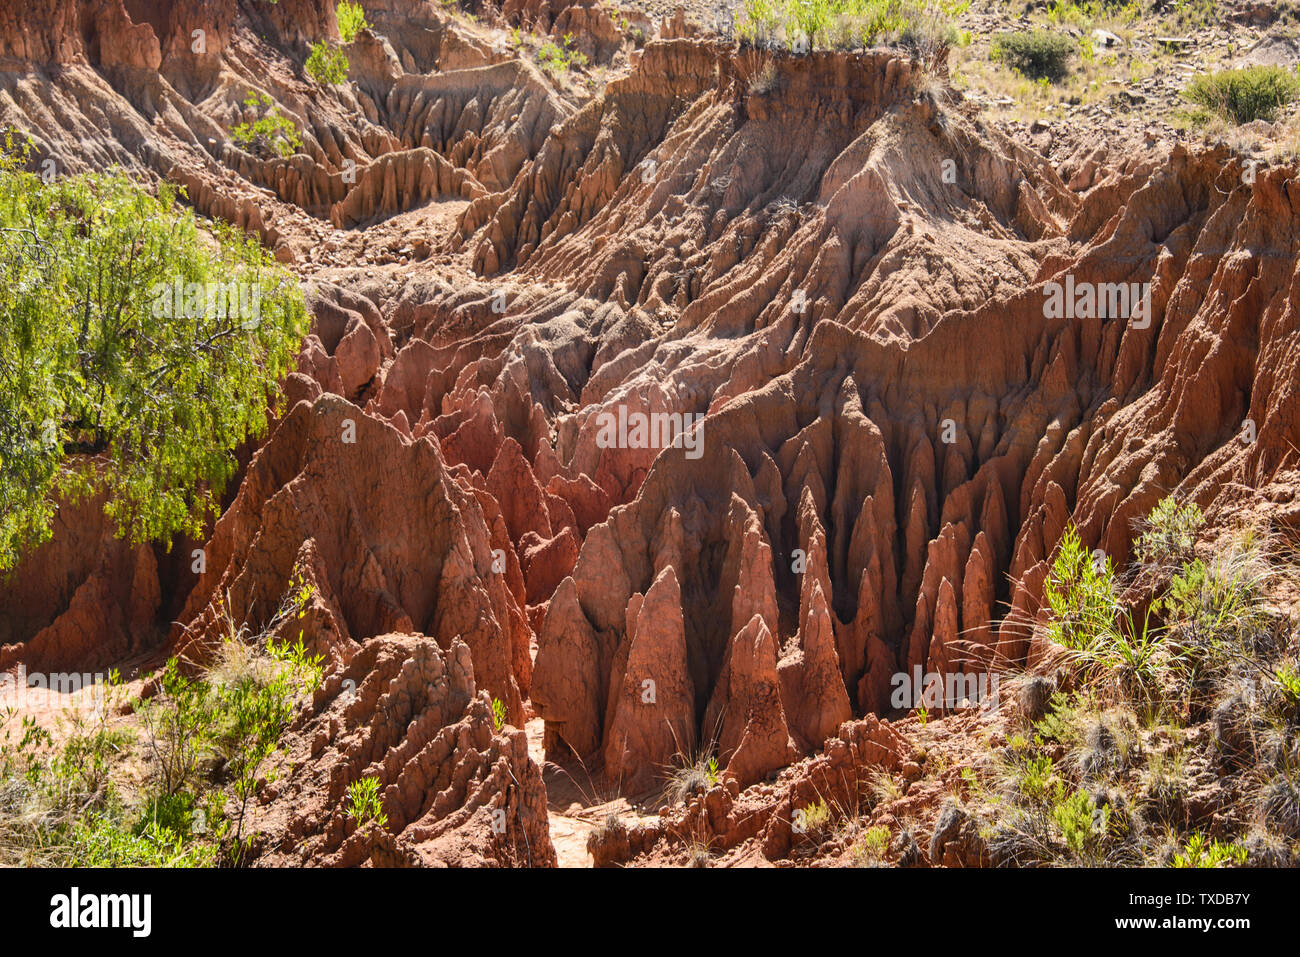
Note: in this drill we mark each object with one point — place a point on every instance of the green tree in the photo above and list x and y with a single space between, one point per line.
138 348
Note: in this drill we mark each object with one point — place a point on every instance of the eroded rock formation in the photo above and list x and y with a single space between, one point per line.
453 791
897 425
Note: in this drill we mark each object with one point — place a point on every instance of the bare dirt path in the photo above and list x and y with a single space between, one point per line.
577 803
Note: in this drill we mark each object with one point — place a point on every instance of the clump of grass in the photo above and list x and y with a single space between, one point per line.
610 832
884 787
1244 95
765 80
1279 804
698 854
364 804
1038 54
694 774
813 820
871 847
1106 745
1165 785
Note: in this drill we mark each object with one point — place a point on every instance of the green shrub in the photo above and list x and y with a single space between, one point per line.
101 839
1086 618
352 20
271 133
1240 96
1081 593
556 59
1083 824
1038 54
1036 777
327 64
177 725
1168 535
235 713
104 383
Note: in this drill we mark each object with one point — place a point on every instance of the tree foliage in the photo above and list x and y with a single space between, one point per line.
138 348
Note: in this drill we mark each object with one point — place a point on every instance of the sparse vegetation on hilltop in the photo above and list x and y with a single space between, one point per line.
802 25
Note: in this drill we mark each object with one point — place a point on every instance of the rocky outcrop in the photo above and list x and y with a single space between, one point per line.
400 181
652 709
454 791
724 816
377 531
83 600
753 737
